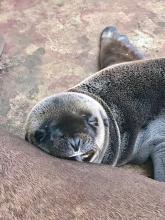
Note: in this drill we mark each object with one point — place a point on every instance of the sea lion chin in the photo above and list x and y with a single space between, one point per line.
69 125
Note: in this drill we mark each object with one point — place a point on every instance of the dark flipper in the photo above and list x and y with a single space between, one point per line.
116 48
158 159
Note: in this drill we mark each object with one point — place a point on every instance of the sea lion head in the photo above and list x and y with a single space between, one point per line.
69 125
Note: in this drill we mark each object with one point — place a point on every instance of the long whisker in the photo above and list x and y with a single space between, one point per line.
79 153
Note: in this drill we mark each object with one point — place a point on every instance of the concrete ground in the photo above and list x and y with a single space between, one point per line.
52 45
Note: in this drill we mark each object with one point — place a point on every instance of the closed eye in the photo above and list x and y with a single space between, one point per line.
40 135
93 121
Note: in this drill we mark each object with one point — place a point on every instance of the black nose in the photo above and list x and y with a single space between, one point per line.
75 143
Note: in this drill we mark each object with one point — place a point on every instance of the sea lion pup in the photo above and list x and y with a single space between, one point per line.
113 117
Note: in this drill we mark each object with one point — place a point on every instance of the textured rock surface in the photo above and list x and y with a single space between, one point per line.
37 186
52 45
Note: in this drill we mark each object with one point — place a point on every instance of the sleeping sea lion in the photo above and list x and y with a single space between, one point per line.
116 116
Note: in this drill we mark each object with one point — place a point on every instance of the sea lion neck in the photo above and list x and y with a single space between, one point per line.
112 150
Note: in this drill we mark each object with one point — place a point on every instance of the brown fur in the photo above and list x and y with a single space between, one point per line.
132 95
35 185
136 89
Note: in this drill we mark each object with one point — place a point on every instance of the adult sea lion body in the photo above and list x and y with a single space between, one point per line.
115 116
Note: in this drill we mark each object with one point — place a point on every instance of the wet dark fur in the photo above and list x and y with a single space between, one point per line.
134 91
